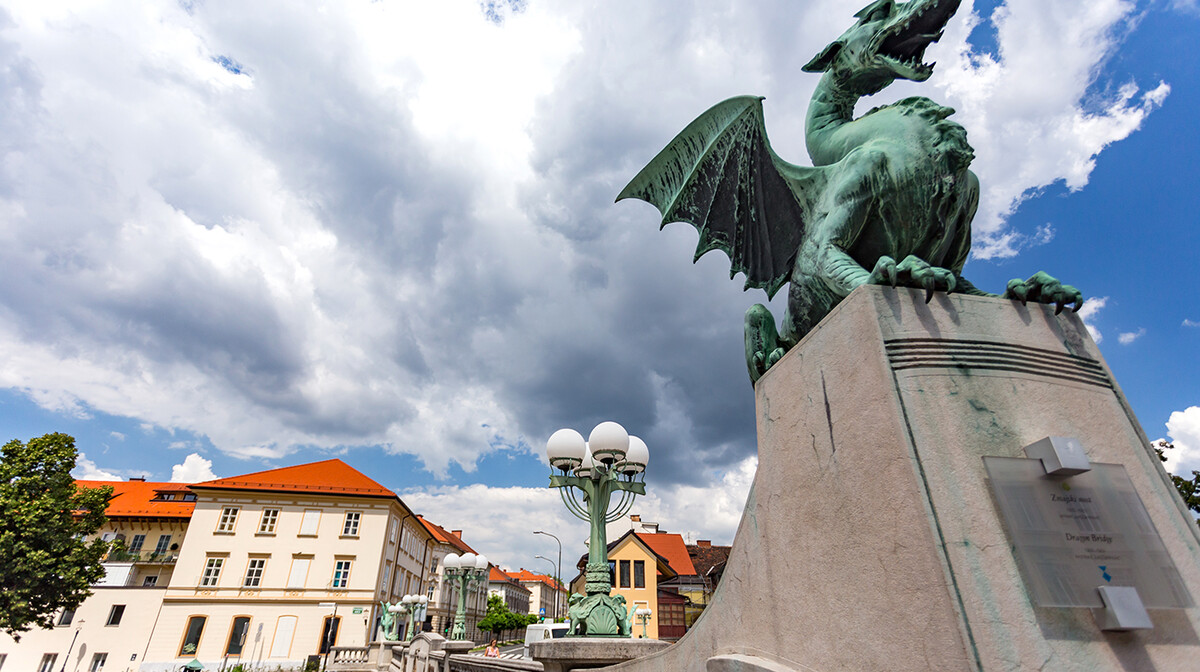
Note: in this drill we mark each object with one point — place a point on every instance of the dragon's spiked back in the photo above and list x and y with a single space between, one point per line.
887 43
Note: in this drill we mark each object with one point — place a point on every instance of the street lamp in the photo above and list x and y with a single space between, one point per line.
78 627
557 571
464 570
555 583
411 604
643 616
610 460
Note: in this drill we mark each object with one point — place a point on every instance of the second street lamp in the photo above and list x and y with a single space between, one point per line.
557 573
555 616
464 571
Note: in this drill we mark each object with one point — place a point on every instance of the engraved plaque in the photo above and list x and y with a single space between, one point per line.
1072 535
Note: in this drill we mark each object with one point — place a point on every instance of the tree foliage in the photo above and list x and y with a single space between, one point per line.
1189 489
499 619
46 561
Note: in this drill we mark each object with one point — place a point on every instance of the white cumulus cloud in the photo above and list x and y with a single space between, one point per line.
193 469
1184 430
1088 313
86 470
1125 338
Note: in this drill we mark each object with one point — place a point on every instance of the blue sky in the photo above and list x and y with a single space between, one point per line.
241 237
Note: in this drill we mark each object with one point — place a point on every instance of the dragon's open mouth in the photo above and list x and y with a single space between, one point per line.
904 42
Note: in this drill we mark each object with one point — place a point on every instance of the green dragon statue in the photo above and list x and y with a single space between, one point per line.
890 185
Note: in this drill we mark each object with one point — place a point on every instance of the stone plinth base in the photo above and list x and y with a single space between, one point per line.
871 540
579 653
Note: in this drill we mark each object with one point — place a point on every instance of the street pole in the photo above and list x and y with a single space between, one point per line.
329 632
542 557
78 627
557 573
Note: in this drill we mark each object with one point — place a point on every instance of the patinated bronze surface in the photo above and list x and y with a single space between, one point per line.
889 198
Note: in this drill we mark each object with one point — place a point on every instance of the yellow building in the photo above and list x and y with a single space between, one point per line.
641 564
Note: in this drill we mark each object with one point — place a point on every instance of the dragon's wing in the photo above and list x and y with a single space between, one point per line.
720 175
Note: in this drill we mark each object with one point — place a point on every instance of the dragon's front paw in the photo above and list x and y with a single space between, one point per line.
913 272
1044 288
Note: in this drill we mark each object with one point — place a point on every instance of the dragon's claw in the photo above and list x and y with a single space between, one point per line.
1044 288
913 272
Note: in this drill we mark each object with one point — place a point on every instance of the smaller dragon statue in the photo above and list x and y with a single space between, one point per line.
889 199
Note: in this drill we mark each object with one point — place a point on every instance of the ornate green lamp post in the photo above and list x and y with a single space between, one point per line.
610 461
411 604
464 570
643 617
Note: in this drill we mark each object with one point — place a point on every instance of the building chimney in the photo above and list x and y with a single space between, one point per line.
457 533
704 543
138 478
635 517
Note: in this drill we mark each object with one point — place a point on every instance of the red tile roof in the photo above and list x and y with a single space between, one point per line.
525 575
135 499
497 574
333 477
672 549
440 534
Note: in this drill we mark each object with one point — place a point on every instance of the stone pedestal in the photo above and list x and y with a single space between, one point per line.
871 540
580 653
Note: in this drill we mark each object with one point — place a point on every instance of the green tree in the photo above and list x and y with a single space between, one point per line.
46 561
1189 489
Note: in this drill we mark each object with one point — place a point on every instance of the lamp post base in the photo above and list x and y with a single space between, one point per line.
599 615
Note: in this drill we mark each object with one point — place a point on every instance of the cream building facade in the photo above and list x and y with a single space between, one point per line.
265 569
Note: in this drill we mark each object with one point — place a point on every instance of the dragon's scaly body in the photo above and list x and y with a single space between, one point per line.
890 185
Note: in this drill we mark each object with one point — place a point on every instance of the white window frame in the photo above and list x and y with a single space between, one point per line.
212 571
99 660
395 529
351 523
227 523
136 543
47 664
163 544
268 521
255 568
341 574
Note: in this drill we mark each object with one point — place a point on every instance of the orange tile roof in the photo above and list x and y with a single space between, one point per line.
526 575
135 499
671 548
333 477
440 534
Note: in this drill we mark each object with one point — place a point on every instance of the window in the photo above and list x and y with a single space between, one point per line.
341 574
624 573
237 636
308 524
191 636
164 540
395 529
228 519
67 616
350 528
387 575
329 633
115 614
47 664
254 572
266 525
149 581
135 546
639 573
299 572
212 572
98 662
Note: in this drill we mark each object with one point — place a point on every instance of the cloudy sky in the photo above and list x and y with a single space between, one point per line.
236 236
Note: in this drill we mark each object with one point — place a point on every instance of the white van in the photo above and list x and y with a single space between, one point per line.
539 631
